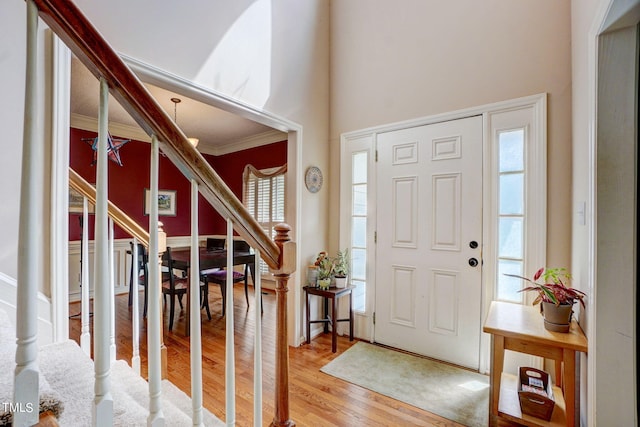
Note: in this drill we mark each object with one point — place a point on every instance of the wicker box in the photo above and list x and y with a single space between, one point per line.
535 392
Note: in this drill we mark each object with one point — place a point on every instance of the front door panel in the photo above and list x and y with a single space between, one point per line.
429 208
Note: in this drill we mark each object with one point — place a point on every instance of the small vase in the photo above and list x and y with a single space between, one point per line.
557 318
312 276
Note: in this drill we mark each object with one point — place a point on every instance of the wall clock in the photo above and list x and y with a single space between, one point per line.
313 179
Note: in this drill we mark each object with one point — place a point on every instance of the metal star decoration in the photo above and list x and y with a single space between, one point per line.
113 148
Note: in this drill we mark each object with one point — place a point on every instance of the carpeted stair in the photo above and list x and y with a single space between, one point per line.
67 374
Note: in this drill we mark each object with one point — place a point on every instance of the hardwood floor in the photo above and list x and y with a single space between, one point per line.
315 398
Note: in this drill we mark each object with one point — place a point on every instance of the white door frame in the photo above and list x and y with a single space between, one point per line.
61 79
364 137
604 136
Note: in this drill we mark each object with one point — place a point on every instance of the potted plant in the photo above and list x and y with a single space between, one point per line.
341 268
555 298
325 270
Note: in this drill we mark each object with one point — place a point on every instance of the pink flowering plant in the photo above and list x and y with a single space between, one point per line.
552 289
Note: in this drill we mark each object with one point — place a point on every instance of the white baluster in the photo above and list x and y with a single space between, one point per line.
85 336
103 403
257 352
154 330
112 295
135 324
230 378
194 295
30 239
60 107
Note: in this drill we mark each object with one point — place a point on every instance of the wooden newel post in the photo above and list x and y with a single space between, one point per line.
287 262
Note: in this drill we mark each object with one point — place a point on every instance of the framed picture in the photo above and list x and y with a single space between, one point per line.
75 202
166 202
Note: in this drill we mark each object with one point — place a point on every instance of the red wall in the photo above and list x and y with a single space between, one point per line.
127 183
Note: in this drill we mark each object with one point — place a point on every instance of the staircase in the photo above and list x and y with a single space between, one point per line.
103 391
67 383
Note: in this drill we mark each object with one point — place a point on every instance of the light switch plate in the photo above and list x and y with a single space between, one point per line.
581 213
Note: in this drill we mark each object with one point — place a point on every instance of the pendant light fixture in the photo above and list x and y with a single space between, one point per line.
176 101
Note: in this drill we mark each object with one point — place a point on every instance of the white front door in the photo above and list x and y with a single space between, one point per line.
429 240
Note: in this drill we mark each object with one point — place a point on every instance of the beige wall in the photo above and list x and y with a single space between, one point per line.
393 61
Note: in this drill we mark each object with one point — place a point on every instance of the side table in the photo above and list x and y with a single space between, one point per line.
329 294
521 328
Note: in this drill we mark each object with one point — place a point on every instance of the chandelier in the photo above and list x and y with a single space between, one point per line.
176 101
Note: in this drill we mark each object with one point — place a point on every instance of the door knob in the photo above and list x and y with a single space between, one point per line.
473 262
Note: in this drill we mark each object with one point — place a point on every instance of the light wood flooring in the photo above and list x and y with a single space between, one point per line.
316 399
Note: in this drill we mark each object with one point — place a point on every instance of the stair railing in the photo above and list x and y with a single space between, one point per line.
66 20
124 221
139 234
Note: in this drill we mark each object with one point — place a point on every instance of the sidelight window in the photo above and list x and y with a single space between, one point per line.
517 227
357 218
359 162
511 209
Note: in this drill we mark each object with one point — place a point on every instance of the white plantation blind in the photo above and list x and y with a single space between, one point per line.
264 198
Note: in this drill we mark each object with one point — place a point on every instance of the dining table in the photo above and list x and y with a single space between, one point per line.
216 258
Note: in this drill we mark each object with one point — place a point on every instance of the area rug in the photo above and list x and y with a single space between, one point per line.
453 393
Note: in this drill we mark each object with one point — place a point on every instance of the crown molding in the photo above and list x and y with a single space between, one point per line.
87 123
264 138
80 121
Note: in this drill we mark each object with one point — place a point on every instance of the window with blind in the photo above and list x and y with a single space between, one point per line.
264 198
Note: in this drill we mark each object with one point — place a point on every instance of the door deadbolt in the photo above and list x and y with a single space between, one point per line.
473 244
473 262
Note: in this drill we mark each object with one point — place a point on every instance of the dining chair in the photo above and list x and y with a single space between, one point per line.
219 276
215 244
140 270
177 286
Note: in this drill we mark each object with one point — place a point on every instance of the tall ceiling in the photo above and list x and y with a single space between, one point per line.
216 129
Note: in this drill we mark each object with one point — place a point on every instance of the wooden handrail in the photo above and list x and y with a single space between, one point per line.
125 222
68 22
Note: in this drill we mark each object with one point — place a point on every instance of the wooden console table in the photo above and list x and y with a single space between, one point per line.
329 294
521 328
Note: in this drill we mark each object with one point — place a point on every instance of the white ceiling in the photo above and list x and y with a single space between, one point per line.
219 132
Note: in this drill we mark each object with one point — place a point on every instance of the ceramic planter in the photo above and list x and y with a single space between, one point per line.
341 282
324 283
557 318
